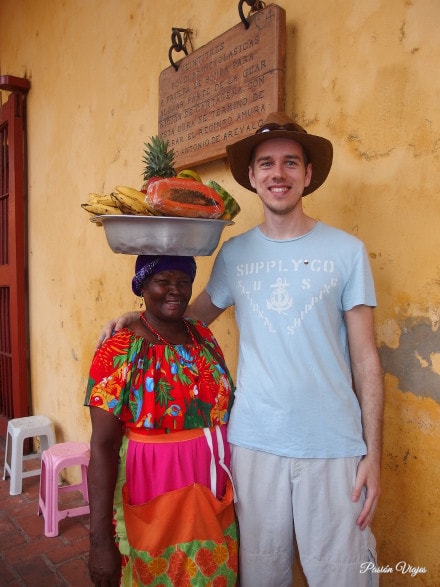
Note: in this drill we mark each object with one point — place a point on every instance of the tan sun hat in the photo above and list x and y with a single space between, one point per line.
279 126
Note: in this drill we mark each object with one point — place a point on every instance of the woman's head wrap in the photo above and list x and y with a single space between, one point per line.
148 265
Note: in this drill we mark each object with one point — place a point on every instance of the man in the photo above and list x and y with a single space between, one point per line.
306 425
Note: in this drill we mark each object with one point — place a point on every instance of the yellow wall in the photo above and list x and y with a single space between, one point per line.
364 74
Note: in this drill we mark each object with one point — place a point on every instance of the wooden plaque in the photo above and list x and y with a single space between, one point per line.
224 90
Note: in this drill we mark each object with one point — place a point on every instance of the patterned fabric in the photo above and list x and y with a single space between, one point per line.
157 388
182 538
200 534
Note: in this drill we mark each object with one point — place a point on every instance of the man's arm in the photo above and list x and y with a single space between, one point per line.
115 325
368 384
203 309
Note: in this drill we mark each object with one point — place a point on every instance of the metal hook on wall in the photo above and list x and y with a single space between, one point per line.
255 6
178 43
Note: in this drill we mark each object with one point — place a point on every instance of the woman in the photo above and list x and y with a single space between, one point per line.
160 396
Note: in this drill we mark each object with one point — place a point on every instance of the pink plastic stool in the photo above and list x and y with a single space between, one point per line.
53 461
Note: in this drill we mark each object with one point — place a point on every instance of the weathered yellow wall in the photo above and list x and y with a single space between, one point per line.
364 74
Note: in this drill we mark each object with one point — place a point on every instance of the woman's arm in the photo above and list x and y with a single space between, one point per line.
105 558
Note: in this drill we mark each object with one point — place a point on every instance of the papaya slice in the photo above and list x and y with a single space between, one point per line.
178 196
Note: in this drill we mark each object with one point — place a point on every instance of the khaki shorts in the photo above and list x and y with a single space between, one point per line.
279 496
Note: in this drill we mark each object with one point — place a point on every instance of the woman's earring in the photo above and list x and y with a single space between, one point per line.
141 303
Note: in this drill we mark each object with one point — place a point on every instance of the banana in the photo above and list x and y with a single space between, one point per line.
98 209
189 174
131 192
136 195
129 205
98 205
105 199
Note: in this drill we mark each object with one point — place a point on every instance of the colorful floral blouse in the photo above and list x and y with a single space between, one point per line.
157 388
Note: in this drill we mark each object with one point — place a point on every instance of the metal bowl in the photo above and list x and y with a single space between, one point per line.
162 235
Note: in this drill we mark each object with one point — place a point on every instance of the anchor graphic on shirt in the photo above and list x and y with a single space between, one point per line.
279 300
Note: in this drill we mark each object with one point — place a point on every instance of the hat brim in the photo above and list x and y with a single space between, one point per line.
319 151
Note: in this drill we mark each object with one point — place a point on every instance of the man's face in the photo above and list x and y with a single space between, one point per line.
279 175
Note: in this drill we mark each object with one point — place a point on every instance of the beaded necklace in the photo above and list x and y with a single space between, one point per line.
161 338
192 357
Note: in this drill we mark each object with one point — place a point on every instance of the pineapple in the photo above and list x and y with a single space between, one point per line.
158 161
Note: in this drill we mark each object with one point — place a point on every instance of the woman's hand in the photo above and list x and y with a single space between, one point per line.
105 563
115 325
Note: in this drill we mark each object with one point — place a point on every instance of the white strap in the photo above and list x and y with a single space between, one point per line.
221 453
212 467
221 460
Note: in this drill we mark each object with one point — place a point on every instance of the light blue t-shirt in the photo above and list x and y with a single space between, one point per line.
294 393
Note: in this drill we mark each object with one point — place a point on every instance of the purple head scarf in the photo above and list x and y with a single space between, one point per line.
148 265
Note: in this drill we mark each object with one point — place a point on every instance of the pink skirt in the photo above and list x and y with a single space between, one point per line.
161 463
